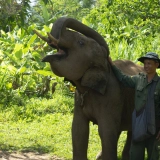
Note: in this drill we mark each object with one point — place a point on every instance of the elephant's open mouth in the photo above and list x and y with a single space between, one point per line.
61 54
61 51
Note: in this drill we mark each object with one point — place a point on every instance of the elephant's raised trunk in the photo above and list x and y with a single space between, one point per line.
59 27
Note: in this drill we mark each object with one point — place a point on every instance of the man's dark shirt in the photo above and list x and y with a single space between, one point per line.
141 85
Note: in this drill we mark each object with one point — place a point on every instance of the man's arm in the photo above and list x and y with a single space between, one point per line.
128 81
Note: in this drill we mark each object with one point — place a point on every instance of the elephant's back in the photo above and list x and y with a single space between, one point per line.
128 67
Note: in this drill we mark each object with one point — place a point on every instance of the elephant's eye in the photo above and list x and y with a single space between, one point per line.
81 43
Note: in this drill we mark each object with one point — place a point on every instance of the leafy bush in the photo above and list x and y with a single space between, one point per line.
129 20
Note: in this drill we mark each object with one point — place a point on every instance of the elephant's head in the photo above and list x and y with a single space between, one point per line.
81 53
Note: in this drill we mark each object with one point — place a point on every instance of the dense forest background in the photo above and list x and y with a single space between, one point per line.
131 28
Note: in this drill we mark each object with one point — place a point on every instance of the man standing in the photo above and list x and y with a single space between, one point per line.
142 84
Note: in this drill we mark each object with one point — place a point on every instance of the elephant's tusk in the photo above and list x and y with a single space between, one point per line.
55 41
42 37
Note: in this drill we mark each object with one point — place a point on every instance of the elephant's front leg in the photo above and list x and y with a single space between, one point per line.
80 135
109 138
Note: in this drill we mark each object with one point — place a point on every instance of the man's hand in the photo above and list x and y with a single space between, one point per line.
158 136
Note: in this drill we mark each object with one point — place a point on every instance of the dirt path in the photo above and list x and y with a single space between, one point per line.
26 156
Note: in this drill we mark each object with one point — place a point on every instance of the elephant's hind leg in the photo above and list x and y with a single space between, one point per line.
125 153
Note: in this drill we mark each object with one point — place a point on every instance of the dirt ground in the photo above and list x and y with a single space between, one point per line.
26 156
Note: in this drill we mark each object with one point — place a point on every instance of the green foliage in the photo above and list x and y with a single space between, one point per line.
22 73
13 13
130 20
35 108
122 50
46 14
17 13
86 3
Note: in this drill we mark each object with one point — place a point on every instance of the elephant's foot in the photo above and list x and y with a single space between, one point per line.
99 156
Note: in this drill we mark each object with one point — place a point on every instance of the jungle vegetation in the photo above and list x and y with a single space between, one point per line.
32 115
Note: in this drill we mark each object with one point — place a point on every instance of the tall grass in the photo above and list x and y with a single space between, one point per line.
139 47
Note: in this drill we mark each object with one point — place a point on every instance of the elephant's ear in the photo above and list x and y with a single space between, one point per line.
96 79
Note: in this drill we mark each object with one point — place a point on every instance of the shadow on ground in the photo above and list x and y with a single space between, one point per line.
5 155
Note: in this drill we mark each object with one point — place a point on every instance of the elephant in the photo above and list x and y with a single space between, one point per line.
82 58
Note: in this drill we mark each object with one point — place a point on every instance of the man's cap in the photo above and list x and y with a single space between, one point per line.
150 55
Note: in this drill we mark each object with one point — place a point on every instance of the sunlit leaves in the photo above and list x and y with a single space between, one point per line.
9 85
31 40
21 70
18 50
45 73
11 69
45 13
21 53
126 19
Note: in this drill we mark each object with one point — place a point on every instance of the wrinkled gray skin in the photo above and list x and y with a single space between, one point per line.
82 59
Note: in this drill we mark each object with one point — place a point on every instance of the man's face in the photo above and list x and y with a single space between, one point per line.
150 66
